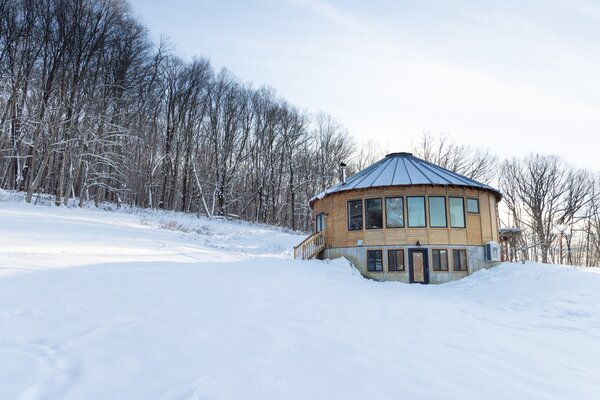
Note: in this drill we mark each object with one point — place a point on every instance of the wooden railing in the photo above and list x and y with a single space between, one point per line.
310 247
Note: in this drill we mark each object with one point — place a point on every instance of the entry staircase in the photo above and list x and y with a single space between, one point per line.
310 247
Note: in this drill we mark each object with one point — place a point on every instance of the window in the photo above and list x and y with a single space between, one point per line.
374 214
437 212
394 212
440 260
459 260
457 212
395 260
416 212
355 215
473 206
375 260
320 222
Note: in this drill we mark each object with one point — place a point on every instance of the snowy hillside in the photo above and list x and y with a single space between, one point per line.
97 305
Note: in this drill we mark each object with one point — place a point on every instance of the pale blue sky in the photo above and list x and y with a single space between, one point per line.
512 76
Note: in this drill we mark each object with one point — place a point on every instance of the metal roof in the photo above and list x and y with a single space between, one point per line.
404 169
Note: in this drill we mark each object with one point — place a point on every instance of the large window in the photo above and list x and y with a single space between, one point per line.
473 206
355 215
374 214
394 212
395 260
459 260
437 212
440 259
457 212
375 260
416 212
320 222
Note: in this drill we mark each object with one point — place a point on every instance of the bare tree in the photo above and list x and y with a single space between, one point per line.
542 192
473 163
368 153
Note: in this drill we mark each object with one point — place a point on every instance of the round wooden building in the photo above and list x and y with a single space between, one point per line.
406 219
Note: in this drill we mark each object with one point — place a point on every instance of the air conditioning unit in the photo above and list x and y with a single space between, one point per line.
492 252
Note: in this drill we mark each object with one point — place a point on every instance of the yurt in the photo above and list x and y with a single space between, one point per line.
408 220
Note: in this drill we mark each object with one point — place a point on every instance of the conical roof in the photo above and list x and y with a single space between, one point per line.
404 169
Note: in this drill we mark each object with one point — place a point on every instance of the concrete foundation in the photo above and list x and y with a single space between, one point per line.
358 257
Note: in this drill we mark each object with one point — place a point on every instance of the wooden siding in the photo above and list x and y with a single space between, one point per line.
480 228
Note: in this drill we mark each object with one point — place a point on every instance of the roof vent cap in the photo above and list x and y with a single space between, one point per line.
401 154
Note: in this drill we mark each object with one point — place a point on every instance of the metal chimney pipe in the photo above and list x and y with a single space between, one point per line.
343 167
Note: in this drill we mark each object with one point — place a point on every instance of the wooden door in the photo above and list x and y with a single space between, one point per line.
418 266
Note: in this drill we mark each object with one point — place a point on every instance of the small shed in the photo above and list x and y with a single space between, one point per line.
408 220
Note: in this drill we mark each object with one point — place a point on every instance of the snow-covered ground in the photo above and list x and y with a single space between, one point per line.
99 305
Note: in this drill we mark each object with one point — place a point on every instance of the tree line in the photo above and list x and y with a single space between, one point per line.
92 109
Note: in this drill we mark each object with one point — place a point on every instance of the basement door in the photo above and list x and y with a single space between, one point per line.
418 266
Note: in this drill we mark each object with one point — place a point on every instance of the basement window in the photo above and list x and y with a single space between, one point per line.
396 260
459 260
374 214
355 215
440 259
374 260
